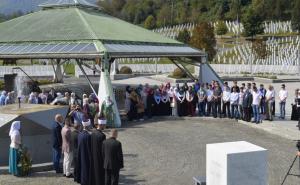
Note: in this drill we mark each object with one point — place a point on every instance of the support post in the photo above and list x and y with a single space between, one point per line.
183 69
106 89
58 76
79 63
200 75
115 67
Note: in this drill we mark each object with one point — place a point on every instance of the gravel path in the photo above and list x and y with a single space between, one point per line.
172 152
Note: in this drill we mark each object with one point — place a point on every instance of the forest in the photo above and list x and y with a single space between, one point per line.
158 13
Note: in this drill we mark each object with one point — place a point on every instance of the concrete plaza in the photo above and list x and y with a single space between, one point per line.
171 151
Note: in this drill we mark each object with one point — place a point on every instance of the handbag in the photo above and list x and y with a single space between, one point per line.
172 104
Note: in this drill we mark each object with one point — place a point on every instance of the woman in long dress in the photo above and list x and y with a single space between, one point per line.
107 111
157 108
150 103
165 101
295 115
15 138
172 95
128 103
190 102
181 104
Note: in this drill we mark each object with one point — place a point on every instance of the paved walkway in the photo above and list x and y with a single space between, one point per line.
171 151
282 128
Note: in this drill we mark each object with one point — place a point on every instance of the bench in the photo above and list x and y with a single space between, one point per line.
199 180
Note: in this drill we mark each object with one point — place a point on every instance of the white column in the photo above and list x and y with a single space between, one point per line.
106 89
58 76
115 67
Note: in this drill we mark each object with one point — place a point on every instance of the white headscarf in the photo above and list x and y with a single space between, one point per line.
15 128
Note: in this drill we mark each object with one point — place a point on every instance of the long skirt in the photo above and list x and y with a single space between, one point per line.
13 161
295 114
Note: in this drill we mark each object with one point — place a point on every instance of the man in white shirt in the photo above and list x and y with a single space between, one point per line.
226 101
255 104
283 94
234 102
270 98
201 100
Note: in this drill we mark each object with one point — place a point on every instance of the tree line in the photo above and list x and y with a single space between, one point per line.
158 13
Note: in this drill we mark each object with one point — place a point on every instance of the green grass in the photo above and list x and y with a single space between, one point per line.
69 69
45 82
273 77
1 85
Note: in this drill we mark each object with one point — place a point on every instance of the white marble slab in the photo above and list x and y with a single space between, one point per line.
236 163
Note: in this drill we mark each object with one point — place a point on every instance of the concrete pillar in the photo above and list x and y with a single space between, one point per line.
203 62
115 67
105 89
58 76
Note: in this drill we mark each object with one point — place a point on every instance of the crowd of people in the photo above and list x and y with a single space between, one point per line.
85 107
246 102
91 159
88 156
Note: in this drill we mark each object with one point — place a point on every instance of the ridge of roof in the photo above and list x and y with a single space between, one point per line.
67 3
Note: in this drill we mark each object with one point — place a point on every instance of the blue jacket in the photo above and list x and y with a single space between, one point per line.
56 135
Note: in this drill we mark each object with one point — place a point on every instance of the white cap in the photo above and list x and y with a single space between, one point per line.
101 121
86 123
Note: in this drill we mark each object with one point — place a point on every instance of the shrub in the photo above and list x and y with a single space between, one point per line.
25 162
221 28
125 70
177 73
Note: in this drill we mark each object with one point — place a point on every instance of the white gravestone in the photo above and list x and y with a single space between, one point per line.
236 163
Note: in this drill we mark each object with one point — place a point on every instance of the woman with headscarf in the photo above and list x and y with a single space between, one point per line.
150 103
157 108
15 138
140 104
133 106
295 114
185 87
173 105
168 86
144 95
87 111
128 102
165 101
32 98
181 102
73 100
190 99
107 111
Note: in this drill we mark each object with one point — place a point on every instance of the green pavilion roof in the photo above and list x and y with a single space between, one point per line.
67 27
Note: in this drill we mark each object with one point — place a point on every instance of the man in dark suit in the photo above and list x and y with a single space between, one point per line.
74 147
247 102
57 142
113 158
97 138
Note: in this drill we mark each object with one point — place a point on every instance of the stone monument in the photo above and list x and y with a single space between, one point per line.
236 163
36 125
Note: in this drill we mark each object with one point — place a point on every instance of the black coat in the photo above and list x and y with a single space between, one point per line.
247 101
74 147
84 158
74 142
112 154
56 135
98 174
